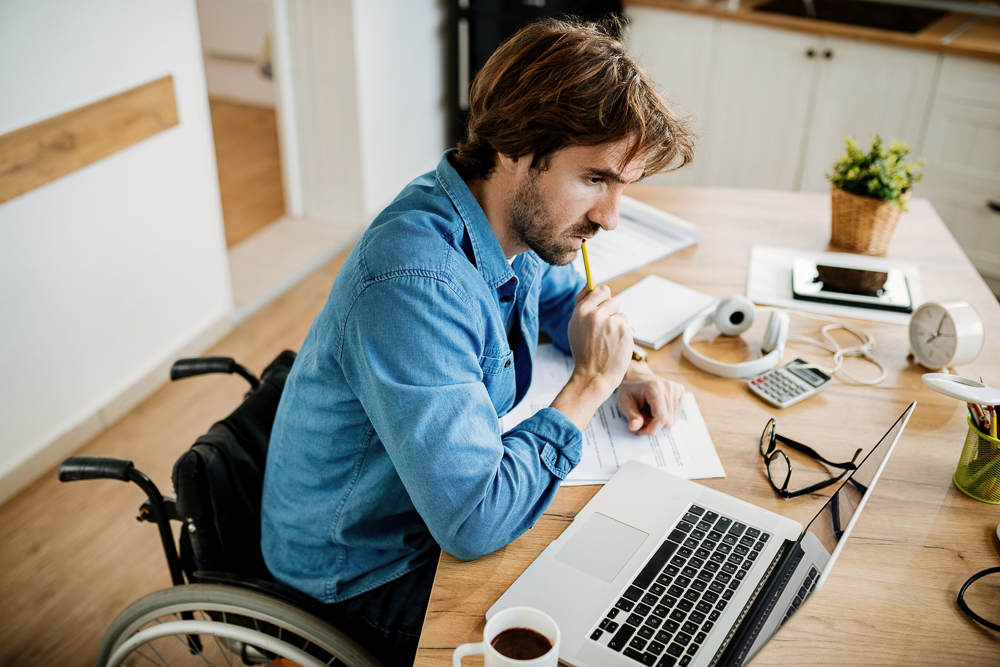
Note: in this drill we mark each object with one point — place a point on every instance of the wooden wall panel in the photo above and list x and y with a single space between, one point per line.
38 154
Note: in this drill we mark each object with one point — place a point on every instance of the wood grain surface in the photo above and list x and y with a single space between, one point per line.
891 598
38 154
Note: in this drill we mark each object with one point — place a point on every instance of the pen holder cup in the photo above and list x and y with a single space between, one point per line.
978 472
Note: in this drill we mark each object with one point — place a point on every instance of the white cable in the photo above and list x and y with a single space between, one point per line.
865 350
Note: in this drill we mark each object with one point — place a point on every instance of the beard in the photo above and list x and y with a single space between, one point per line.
532 224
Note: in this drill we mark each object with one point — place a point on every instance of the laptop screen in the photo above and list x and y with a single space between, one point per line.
812 557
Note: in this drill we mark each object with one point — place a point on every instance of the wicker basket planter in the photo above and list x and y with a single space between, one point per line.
862 224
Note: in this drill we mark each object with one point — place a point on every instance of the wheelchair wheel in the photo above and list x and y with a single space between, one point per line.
209 624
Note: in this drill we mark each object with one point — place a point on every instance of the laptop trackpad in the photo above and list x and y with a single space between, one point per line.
602 547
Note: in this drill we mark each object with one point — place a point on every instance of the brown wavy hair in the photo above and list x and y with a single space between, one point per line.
565 82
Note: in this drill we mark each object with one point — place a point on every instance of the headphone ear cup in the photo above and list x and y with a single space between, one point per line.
734 315
776 333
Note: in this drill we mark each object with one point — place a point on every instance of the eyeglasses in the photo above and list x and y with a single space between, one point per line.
770 453
987 590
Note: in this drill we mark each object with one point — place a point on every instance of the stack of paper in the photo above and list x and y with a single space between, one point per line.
686 449
659 309
644 235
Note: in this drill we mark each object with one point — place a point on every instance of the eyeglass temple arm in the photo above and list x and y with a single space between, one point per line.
809 451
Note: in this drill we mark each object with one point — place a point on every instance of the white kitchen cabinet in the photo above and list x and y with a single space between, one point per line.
963 157
759 106
865 89
677 51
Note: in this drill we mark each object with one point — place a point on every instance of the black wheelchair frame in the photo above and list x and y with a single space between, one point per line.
222 589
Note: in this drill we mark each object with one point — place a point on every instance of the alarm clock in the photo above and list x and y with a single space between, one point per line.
948 333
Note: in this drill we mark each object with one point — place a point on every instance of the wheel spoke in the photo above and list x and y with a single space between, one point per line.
223 650
159 664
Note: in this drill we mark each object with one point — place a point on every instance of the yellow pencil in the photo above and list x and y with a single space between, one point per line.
586 267
993 422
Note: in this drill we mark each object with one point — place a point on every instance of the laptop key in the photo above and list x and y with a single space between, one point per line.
660 611
664 579
752 555
693 648
642 609
664 637
657 589
677 536
696 563
689 572
691 518
678 615
718 557
702 553
621 638
714 616
747 541
710 597
646 632
747 564
699 585
675 650
753 532
624 604
700 637
722 525
758 546
612 626
678 562
654 621
675 591
715 587
723 578
742 550
655 647
705 575
697 617
728 595
692 543
655 564
723 549
683 638
613 613
711 517
729 568
685 605
668 601
638 643
737 528
721 604
684 552
671 626
689 627
704 607
694 509
692 595
741 573
632 653
650 599
682 583
764 537
604 624
634 619
667 661
685 526
712 566
705 526
707 626
685 661
633 593
671 570
596 634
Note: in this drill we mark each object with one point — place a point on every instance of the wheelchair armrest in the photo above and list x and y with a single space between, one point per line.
76 468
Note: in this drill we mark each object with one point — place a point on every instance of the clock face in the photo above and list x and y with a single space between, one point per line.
932 336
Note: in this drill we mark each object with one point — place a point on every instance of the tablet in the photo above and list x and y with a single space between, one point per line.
849 286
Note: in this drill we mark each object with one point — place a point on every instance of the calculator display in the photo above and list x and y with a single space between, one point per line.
813 377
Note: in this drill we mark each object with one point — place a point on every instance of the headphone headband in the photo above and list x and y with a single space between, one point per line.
773 345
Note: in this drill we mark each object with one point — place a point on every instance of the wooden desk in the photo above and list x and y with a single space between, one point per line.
891 598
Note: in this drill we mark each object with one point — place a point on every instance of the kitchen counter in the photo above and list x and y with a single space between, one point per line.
980 40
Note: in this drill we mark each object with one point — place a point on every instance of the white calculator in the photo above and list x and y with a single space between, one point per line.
787 385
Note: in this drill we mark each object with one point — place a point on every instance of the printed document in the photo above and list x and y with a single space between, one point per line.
686 449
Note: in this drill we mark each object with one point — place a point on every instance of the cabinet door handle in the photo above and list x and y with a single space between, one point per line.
828 54
810 53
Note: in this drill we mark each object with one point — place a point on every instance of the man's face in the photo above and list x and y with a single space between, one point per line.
553 211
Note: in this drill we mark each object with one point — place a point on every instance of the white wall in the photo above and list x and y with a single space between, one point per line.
399 51
368 94
107 272
233 37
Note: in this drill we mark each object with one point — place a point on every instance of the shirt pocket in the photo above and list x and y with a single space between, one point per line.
498 377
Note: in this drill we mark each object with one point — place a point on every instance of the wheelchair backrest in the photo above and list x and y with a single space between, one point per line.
219 482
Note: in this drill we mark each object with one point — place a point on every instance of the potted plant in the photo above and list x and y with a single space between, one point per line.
869 191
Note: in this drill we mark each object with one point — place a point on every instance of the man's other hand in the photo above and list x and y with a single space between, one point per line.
648 401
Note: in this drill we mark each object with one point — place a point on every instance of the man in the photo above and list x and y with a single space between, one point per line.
387 444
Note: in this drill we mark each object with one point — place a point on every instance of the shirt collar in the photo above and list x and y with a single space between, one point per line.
490 260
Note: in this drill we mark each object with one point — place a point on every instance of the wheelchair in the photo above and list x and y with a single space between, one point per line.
224 608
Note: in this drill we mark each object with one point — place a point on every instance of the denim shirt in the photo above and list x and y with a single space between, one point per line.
387 440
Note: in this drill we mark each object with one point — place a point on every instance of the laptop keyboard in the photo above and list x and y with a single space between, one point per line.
807 587
670 608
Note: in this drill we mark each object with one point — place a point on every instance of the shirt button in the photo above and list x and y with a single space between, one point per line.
505 299
507 365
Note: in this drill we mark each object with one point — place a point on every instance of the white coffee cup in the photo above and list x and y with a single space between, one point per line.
514 617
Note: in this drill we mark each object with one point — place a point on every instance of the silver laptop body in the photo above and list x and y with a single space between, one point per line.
657 569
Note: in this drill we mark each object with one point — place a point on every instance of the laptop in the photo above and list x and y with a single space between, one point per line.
659 570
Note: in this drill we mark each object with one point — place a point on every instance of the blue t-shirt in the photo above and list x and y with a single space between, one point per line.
387 440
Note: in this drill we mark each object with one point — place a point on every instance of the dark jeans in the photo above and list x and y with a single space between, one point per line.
387 620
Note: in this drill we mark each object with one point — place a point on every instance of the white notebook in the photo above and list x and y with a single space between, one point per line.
659 309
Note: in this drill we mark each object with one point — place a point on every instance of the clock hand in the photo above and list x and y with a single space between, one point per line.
943 318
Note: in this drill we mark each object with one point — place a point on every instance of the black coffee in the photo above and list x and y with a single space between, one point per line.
521 644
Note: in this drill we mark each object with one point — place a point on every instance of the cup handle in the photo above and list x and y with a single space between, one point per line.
464 650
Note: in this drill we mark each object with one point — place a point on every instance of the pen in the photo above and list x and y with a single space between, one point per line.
993 422
586 267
